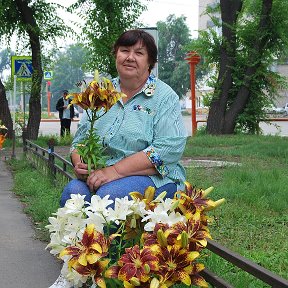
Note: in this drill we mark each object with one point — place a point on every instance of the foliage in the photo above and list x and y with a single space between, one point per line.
105 20
172 67
41 198
240 62
48 24
32 22
5 60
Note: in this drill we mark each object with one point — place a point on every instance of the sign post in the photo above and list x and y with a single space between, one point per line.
48 75
21 70
14 116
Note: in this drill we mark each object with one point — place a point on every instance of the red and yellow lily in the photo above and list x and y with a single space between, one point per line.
135 266
87 255
99 94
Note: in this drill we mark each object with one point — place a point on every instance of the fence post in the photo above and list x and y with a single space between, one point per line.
51 158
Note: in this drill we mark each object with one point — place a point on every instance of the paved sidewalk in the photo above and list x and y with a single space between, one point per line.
24 261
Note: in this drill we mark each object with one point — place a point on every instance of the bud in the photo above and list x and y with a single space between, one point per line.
219 202
154 283
184 239
161 238
207 192
146 268
216 204
174 205
149 193
160 196
135 281
96 76
133 223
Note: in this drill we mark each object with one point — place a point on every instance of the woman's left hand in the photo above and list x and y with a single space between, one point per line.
101 176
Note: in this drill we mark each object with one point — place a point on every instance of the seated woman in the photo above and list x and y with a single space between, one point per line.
143 133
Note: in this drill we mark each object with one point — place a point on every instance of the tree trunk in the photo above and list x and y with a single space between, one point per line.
222 118
5 115
35 99
216 118
32 29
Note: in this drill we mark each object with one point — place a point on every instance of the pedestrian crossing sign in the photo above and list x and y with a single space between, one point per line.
21 66
48 75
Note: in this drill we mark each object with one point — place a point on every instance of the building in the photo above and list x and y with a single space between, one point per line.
204 20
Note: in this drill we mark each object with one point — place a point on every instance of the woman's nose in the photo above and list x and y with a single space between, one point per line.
130 57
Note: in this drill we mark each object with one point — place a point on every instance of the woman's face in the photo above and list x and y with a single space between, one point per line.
132 61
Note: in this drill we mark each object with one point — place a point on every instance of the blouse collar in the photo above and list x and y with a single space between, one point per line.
148 89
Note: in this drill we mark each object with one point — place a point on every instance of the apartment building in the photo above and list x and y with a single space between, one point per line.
204 20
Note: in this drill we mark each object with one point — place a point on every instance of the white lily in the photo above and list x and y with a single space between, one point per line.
75 204
99 204
122 209
161 215
97 219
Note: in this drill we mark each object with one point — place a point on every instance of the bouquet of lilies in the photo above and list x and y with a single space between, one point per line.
142 242
97 98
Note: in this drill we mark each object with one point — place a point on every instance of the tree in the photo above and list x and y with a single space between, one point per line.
105 20
36 21
5 60
174 35
5 115
253 36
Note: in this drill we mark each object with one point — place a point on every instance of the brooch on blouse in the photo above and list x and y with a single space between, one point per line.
149 90
144 109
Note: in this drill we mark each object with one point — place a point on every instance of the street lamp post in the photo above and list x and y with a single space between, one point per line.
193 59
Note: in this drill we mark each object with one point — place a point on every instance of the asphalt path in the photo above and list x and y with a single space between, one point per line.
279 128
24 262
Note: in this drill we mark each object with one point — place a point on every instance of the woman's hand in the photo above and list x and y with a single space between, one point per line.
101 176
81 170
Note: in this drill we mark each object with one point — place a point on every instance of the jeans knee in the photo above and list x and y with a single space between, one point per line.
75 186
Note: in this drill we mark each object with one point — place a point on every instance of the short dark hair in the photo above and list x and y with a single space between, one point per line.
65 92
131 37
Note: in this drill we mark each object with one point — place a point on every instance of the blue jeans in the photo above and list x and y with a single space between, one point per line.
116 189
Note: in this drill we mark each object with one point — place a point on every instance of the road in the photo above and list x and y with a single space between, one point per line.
279 128
276 128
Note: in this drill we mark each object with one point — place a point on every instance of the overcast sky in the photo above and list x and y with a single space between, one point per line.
159 10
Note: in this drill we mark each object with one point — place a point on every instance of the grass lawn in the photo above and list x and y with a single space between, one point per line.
253 221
